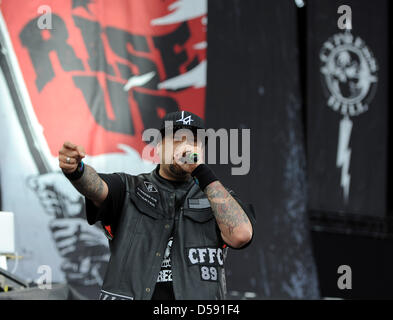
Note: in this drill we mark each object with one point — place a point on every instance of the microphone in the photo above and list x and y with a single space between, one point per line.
194 157
191 157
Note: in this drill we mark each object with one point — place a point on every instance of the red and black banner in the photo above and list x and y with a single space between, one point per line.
108 71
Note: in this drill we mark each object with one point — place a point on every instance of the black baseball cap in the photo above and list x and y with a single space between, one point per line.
182 120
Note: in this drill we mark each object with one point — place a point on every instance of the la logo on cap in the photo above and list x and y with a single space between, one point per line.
186 120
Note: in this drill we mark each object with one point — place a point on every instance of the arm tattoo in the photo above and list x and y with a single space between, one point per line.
226 209
90 184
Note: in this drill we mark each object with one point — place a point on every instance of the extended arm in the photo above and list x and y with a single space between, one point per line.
89 184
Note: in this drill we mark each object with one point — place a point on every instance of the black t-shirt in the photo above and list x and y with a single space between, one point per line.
110 209
164 285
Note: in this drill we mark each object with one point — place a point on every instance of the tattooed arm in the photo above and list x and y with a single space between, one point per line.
236 229
90 184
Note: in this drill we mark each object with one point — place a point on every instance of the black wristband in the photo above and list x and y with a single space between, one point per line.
204 175
77 174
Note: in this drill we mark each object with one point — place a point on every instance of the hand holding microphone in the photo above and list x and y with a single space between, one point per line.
191 157
188 157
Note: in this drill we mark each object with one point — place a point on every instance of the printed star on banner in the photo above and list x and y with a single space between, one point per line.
81 3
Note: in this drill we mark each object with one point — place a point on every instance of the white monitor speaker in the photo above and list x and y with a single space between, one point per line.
7 233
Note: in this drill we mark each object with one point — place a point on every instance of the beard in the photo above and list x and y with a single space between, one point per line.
177 172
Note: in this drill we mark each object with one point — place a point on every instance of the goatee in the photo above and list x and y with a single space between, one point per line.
177 171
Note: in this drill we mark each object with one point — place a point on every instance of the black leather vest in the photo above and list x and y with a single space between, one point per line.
148 216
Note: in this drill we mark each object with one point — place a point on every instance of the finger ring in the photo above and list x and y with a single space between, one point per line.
68 160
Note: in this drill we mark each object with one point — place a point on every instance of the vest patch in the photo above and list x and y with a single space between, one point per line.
105 295
151 201
198 203
150 187
209 273
208 259
208 256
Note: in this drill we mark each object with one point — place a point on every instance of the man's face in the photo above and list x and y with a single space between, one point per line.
173 148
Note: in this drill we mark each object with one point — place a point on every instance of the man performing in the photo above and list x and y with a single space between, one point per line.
169 229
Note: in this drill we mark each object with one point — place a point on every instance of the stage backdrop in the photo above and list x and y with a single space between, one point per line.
96 73
347 107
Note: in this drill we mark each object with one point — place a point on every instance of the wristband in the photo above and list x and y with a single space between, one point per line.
204 175
77 174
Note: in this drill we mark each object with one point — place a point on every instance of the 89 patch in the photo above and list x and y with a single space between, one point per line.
209 273
208 259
